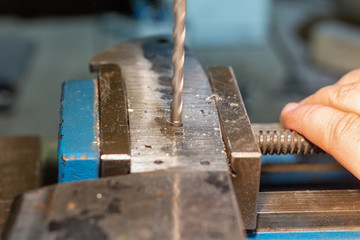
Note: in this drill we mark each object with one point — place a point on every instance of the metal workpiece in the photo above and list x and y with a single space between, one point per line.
78 141
178 60
242 151
20 170
160 205
155 143
275 139
115 152
328 210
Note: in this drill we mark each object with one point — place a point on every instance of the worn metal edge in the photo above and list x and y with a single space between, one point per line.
244 159
316 234
89 156
234 103
309 211
45 207
115 151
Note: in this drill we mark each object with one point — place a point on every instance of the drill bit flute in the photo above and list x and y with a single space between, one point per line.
178 59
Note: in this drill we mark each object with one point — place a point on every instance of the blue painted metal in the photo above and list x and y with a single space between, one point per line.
78 145
306 235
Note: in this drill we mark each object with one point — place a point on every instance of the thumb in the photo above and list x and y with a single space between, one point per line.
334 131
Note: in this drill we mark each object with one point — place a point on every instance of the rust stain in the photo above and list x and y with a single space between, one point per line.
70 206
160 192
148 146
47 205
84 156
167 128
61 137
64 157
40 206
61 123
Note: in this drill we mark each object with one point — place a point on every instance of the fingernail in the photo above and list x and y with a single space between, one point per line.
289 107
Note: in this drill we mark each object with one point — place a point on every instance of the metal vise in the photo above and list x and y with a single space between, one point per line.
158 181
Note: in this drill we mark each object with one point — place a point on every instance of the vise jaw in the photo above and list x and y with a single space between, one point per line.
162 181
130 121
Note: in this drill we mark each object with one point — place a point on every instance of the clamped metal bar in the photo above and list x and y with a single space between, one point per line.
155 143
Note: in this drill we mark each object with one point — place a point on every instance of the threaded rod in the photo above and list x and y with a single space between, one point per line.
284 142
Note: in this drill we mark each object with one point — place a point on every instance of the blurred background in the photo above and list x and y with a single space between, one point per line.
281 50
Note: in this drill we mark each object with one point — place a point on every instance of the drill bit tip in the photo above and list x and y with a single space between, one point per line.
178 60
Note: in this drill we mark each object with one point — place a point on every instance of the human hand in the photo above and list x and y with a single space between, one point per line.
330 119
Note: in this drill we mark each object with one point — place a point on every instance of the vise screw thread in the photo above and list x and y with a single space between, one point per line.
285 142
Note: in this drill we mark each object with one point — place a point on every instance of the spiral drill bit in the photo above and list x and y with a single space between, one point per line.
178 60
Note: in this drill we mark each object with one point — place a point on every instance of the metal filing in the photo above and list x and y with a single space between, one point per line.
178 60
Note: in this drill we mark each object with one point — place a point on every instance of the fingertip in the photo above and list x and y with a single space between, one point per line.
289 107
286 114
350 77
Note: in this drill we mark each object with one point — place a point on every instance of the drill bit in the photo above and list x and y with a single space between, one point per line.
178 59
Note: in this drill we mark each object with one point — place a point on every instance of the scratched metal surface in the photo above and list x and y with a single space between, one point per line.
161 205
20 170
243 152
155 145
114 130
330 210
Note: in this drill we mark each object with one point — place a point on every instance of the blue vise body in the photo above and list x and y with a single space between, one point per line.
78 144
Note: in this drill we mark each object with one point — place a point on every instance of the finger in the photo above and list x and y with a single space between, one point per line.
344 97
334 131
353 76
